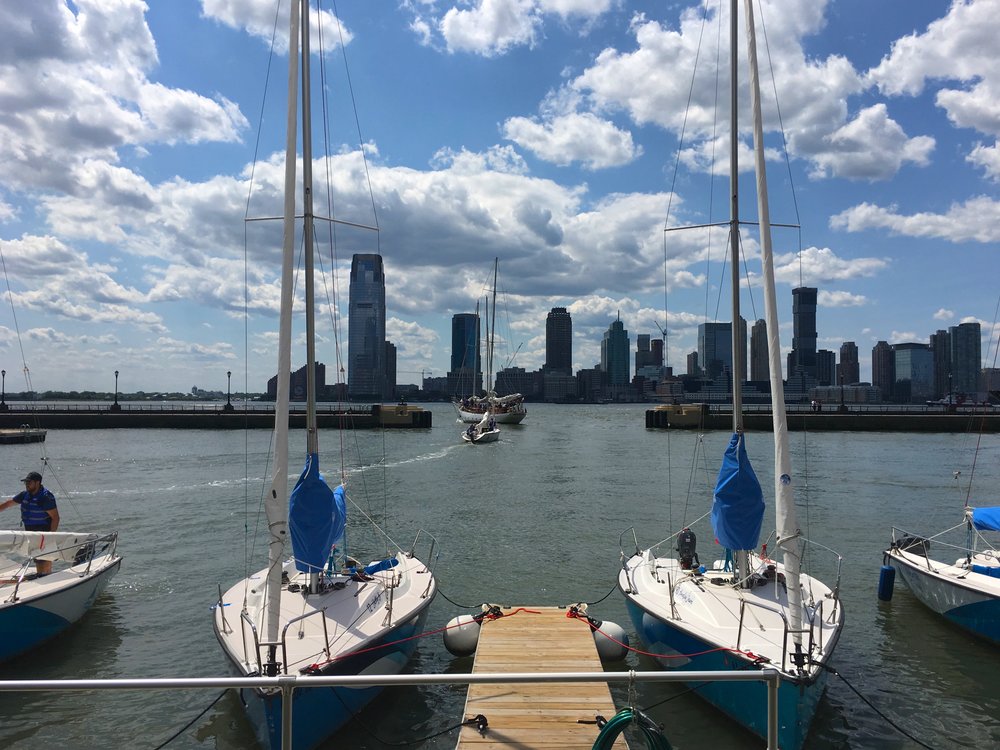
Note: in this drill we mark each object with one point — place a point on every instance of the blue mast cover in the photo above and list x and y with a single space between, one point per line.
316 518
986 519
738 509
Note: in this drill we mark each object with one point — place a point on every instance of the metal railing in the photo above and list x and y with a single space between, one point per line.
287 684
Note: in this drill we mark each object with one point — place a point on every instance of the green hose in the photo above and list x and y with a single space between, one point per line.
620 721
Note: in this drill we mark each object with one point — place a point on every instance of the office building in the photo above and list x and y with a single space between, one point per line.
715 348
692 365
558 342
941 351
826 367
849 369
366 377
614 355
759 368
466 374
966 357
883 369
914 373
803 354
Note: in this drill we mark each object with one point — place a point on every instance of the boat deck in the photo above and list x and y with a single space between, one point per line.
537 715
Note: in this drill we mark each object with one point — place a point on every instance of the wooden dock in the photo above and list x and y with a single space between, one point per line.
536 715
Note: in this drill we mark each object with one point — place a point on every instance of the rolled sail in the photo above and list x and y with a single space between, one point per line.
316 518
738 507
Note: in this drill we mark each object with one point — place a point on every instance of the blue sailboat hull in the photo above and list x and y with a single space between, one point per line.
35 619
744 702
318 713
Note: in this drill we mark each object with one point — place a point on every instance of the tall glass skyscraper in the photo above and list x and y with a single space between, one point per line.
366 329
614 354
804 334
559 342
966 357
466 364
715 348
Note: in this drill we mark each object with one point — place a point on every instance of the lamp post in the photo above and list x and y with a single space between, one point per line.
843 406
229 383
116 406
3 390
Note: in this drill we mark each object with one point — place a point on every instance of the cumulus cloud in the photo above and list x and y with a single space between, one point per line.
577 137
815 266
974 220
491 28
943 314
957 53
86 94
819 126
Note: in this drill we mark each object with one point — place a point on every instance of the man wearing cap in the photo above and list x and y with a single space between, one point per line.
38 512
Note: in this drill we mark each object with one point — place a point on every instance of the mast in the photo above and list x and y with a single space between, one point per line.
312 437
276 504
734 218
784 499
492 331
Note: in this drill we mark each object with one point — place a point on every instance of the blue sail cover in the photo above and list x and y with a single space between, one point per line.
316 518
738 509
986 519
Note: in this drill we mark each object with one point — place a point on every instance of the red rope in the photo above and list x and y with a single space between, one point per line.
575 614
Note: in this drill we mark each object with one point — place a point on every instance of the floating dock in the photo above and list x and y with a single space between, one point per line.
536 715
47 416
700 417
21 435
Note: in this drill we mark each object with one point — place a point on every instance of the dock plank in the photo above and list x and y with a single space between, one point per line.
537 715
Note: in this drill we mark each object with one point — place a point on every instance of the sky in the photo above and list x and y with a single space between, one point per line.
559 136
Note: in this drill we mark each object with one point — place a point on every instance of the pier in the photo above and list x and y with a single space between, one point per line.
702 417
209 417
543 714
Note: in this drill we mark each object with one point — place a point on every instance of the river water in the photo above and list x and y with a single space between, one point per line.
532 520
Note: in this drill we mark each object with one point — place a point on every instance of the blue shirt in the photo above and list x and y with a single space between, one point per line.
34 508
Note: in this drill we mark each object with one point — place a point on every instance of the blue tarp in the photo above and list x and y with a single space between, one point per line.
738 510
986 519
316 518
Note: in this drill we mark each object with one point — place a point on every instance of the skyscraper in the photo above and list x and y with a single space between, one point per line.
826 367
466 362
803 355
966 357
558 342
759 368
715 348
849 369
366 377
614 354
941 349
914 372
883 369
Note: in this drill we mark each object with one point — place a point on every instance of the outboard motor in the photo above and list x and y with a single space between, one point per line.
686 549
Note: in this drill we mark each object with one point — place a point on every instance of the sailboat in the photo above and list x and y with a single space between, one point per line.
507 409
36 608
318 612
746 611
967 591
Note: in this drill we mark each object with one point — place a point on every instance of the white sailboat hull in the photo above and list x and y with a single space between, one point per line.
38 609
967 598
354 627
512 415
486 436
697 622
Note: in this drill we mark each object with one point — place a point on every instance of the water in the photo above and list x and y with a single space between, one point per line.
532 520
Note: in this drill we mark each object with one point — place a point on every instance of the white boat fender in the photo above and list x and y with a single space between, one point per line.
461 635
611 640
609 637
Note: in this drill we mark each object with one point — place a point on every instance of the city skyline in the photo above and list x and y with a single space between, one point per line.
545 136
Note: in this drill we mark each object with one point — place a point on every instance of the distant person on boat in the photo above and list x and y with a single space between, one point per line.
38 512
